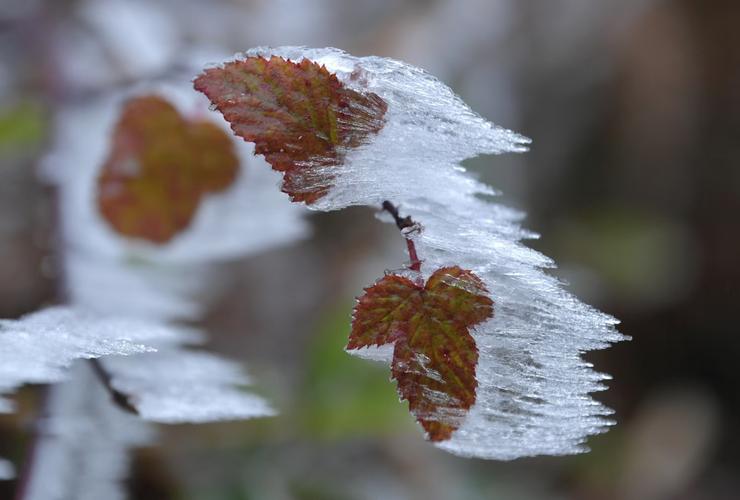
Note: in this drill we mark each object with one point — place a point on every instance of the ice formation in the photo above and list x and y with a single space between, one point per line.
177 386
534 388
39 347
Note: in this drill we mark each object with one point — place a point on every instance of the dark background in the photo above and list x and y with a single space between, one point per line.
633 180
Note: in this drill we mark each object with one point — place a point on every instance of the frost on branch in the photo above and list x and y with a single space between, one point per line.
533 394
163 381
434 356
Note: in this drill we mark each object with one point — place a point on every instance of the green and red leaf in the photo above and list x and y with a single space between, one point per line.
434 355
298 115
159 167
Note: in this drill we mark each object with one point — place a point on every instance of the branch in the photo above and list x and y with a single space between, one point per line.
406 225
121 399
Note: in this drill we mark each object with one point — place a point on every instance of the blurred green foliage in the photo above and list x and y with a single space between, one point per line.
346 396
22 126
644 258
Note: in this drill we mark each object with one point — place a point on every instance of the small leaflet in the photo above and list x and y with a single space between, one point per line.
434 356
246 217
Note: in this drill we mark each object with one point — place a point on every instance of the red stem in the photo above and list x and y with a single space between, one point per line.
405 223
413 257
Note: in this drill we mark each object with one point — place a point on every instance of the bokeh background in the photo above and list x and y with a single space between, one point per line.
633 180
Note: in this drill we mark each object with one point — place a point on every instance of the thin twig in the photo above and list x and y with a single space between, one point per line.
121 399
405 225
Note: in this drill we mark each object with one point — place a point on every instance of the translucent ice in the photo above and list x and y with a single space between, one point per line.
176 385
39 348
534 388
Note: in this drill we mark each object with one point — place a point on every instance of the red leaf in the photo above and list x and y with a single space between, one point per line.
434 356
159 167
300 117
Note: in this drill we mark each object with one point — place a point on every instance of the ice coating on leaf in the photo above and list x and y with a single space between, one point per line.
225 225
434 356
426 124
40 347
83 443
533 387
7 471
176 386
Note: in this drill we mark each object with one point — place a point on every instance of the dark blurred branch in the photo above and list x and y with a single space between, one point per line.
121 399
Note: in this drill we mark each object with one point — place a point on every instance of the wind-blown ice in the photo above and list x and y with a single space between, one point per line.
40 347
176 386
165 382
534 389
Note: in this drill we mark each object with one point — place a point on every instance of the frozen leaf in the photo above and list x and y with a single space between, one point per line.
298 115
40 347
533 393
434 356
7 471
248 217
159 167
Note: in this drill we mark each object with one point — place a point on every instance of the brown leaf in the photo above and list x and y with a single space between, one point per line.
434 356
300 117
159 167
